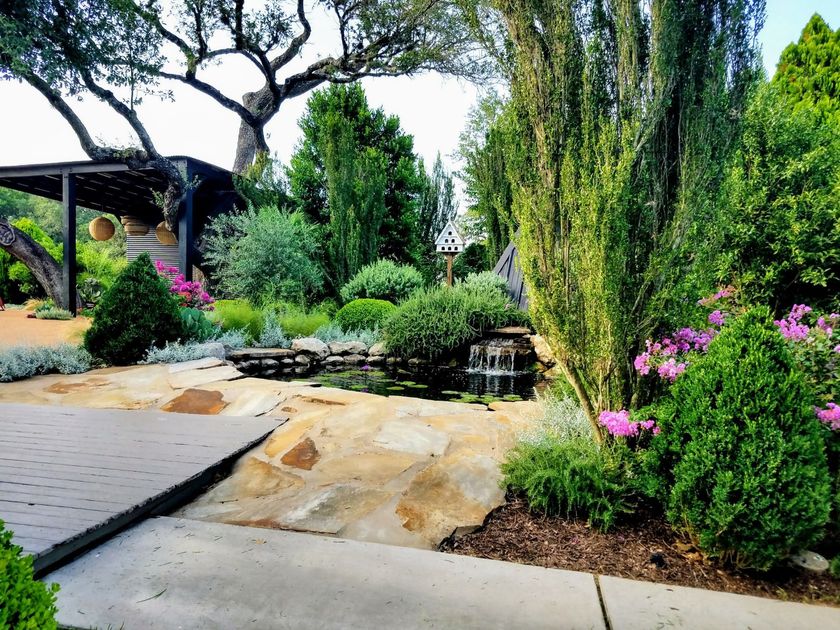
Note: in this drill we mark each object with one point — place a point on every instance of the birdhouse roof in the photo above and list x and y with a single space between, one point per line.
449 235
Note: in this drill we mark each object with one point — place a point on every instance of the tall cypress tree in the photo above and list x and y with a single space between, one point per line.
626 117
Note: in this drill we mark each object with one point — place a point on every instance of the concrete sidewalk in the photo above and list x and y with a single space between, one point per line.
174 573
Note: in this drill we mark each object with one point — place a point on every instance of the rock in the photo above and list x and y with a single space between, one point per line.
810 561
198 364
543 352
333 360
249 366
407 436
413 361
303 455
509 331
376 360
270 363
302 359
347 347
252 404
260 353
196 378
287 361
311 346
354 359
200 401
377 350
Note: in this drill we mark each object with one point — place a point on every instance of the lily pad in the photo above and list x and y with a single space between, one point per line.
396 388
451 392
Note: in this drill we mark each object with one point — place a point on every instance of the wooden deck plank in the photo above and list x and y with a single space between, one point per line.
70 477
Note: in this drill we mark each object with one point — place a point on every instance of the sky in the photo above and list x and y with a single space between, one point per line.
432 108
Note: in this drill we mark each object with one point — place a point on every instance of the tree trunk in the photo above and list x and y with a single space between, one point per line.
44 267
251 139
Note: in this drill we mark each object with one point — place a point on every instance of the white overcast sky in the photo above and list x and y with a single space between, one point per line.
431 108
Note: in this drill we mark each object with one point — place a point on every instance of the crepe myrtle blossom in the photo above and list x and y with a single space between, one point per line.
618 424
668 355
190 292
830 415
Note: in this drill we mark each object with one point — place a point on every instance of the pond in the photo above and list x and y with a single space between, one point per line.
435 383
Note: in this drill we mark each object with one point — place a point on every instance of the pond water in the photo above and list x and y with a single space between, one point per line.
435 383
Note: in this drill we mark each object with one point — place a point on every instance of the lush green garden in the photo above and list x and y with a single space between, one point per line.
677 218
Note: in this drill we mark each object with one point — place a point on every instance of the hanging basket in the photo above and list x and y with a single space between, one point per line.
101 229
164 235
134 226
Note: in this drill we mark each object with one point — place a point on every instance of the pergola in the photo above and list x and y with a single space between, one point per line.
119 190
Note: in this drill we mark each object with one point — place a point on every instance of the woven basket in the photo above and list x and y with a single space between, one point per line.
164 235
101 229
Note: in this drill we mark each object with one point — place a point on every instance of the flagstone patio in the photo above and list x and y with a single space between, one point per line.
395 470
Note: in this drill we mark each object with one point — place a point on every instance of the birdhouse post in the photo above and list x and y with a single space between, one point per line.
450 244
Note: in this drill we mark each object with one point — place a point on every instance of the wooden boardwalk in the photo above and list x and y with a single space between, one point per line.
71 477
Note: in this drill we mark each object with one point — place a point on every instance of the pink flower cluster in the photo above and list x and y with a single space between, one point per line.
668 355
724 293
830 415
191 293
618 424
791 326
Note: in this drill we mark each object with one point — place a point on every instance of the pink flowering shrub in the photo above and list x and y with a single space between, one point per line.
619 424
191 294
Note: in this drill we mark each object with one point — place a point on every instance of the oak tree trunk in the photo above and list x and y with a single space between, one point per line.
44 267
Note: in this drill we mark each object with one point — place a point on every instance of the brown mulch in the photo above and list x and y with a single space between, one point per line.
644 549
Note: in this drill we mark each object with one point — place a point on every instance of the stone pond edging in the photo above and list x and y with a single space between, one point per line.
305 355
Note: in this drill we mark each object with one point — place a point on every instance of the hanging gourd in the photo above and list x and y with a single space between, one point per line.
101 229
134 226
164 235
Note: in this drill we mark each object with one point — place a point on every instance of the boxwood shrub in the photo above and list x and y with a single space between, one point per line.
364 314
25 603
740 457
135 314
383 280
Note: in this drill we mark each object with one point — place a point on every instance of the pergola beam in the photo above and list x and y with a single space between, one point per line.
185 230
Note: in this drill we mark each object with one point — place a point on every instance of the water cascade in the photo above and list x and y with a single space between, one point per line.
497 356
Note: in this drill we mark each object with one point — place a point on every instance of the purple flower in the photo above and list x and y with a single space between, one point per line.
716 318
670 370
830 415
641 363
618 423
365 368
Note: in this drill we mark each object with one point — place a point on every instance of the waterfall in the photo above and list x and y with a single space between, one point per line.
494 356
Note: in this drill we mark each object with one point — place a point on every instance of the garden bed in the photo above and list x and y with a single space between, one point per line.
643 548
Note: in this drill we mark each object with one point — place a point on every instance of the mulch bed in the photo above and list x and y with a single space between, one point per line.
644 549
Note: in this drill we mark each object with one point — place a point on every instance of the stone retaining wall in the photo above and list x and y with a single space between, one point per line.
306 355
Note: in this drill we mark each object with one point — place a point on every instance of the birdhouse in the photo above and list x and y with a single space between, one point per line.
449 241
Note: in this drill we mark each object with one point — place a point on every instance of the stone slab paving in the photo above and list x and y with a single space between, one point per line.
396 470
171 573
632 605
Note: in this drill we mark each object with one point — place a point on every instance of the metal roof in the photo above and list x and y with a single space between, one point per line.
110 186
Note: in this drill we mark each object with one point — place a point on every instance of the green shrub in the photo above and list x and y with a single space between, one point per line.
439 320
383 280
196 326
272 335
302 324
574 477
24 361
25 603
232 339
175 352
740 458
834 567
333 332
53 313
364 314
238 315
135 314
485 281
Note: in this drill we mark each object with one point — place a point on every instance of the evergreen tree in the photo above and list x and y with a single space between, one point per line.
809 70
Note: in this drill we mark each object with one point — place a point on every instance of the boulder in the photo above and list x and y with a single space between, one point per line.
347 347
213 349
543 352
310 346
334 360
354 359
375 360
302 359
413 361
377 350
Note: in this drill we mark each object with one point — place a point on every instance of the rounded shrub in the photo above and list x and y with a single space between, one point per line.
25 603
383 280
364 314
136 313
740 459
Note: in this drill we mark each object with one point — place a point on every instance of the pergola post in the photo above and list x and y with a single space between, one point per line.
68 280
185 230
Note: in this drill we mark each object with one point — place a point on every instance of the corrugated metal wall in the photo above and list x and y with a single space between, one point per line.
136 245
508 267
